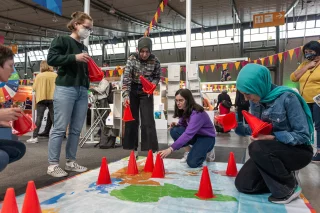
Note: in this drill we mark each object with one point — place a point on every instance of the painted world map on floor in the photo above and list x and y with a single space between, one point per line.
141 193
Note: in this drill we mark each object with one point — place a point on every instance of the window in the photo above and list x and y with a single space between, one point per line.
196 43
193 37
229 33
118 50
225 40
156 47
198 36
157 40
206 35
96 52
170 39
295 33
259 37
109 51
222 33
313 32
246 32
132 43
164 39
183 37
121 45
180 44
300 25
132 49
272 29
167 46
264 30
254 31
214 34
177 38
212 41
310 24
32 58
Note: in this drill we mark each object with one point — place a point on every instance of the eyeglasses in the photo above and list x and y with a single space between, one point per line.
87 28
179 100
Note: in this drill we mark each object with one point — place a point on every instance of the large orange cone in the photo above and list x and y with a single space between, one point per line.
232 170
158 170
227 121
205 189
10 204
148 167
31 201
23 124
132 165
104 175
127 115
257 126
147 86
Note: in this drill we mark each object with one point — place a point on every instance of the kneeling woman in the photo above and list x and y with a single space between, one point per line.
194 128
274 157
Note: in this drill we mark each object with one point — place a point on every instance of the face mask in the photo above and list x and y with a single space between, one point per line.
310 56
83 34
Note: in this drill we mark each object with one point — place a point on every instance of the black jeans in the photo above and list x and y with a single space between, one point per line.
41 107
271 166
10 151
140 101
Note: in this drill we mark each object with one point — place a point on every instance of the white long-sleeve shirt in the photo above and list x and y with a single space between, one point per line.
102 89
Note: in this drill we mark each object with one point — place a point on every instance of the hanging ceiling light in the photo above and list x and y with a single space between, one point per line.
112 10
54 18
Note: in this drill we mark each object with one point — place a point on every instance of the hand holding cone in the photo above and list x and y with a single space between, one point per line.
132 165
257 126
127 115
104 175
9 203
205 189
95 73
227 121
148 87
23 124
158 170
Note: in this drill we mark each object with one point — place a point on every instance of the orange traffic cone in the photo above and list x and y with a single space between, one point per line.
147 86
9 203
158 170
104 175
227 121
23 124
232 170
31 201
205 189
132 165
127 115
257 126
148 167
95 72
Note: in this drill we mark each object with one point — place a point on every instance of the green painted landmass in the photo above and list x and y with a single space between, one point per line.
140 193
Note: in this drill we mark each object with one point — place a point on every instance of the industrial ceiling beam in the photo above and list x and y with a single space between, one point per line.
65 17
182 16
235 11
293 5
24 33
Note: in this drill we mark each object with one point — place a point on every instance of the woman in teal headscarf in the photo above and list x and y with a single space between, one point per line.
274 158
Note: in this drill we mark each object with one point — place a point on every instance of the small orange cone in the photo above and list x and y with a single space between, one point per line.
158 170
9 203
147 86
31 201
127 115
148 167
132 165
205 189
104 175
257 126
227 121
232 170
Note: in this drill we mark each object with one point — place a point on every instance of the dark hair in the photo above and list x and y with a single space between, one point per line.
5 54
312 45
78 17
190 105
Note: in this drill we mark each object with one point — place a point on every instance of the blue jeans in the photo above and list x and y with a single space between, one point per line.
201 145
315 111
70 106
10 151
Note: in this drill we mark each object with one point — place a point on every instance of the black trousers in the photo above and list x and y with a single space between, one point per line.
41 107
240 115
271 166
10 151
139 101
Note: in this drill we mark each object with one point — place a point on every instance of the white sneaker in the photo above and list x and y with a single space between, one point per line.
184 159
32 140
211 156
56 171
74 167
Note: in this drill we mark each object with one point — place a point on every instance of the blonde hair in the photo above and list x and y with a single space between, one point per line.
78 17
44 67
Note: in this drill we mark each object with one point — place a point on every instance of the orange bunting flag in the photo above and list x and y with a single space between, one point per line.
270 59
280 56
255 61
212 66
120 71
150 26
156 17
224 66
237 64
291 53
166 79
161 6
111 73
262 61
201 68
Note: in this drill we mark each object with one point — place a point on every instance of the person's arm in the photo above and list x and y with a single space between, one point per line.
302 69
56 55
34 86
103 87
297 118
156 72
195 123
219 100
127 79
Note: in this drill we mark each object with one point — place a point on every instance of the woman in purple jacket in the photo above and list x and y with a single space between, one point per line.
193 129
